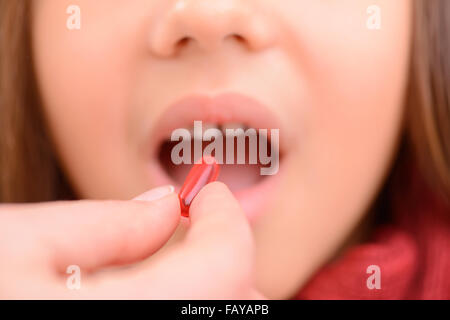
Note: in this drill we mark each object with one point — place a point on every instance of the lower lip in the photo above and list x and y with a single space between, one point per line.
254 200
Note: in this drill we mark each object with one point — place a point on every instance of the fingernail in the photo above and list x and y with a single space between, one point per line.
155 194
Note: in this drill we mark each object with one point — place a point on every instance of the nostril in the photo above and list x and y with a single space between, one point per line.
237 37
183 42
186 40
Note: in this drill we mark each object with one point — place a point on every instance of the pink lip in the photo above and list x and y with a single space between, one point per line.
229 107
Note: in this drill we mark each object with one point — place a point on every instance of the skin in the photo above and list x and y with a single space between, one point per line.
102 235
336 86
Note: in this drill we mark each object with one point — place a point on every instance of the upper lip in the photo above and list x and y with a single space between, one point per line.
224 108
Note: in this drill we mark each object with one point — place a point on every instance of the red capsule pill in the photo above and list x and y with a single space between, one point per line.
202 173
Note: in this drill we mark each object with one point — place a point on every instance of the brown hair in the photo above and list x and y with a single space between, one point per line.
428 101
30 172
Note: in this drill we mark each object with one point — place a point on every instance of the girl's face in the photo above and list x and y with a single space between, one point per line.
333 86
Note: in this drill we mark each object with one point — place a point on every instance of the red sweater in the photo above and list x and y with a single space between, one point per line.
412 252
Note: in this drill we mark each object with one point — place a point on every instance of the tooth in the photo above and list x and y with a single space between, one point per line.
207 126
191 132
233 125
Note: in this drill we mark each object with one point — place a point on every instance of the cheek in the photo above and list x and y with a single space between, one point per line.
351 118
85 78
356 94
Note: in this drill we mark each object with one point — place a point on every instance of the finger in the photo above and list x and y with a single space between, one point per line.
221 239
94 234
215 261
256 295
217 218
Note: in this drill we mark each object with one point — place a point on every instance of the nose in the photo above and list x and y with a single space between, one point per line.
207 24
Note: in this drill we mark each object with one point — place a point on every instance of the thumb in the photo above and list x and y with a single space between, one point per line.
217 217
217 255
95 234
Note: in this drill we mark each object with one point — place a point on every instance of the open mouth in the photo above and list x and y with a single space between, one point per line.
239 170
241 166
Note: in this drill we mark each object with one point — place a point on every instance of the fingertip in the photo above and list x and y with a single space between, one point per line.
216 205
216 186
156 193
163 197
214 197
154 223
217 190
167 207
